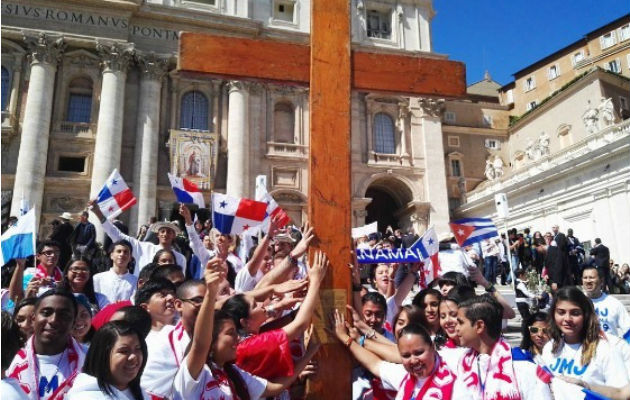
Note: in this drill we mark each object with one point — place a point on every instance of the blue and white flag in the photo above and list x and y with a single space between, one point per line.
468 231
425 247
19 240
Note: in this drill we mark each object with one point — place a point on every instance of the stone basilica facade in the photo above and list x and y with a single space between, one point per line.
89 86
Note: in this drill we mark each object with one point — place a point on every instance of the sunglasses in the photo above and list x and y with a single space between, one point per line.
535 330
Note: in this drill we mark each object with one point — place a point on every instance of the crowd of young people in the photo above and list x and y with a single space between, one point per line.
151 327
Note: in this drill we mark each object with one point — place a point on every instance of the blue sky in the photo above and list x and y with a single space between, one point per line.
504 36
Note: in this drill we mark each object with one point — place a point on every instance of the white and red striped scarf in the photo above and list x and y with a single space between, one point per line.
497 380
25 369
438 386
178 340
42 273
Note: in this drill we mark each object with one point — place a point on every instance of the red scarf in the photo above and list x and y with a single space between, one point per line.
439 384
497 381
221 379
176 339
42 273
25 368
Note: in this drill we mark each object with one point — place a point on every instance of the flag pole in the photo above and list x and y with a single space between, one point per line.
509 253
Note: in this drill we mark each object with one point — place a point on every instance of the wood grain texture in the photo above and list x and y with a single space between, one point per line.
234 57
329 200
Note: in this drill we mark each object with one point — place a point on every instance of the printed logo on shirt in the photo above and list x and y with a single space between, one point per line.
564 365
45 387
603 320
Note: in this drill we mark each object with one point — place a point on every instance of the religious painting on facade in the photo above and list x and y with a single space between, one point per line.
194 156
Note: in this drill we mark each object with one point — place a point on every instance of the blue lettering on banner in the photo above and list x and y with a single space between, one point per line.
46 387
398 255
563 366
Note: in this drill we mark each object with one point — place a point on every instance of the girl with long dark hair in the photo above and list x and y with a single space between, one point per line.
113 365
77 278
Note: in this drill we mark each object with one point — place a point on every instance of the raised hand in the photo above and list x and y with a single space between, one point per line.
317 271
357 321
302 246
185 212
92 205
274 226
355 274
290 286
338 322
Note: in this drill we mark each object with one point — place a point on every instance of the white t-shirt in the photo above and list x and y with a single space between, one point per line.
606 367
53 371
163 359
207 387
85 387
613 317
115 287
11 390
244 282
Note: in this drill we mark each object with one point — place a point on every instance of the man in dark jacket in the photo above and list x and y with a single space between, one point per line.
84 237
601 257
62 233
557 260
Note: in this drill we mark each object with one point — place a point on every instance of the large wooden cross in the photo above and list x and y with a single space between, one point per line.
332 70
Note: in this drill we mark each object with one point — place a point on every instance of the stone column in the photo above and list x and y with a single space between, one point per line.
44 52
152 69
435 169
238 131
115 59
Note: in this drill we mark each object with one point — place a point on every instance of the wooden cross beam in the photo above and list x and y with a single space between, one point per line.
332 70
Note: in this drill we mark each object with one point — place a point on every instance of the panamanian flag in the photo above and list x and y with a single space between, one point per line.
186 191
115 196
234 215
429 247
19 240
468 231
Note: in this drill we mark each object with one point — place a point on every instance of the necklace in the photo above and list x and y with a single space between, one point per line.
52 377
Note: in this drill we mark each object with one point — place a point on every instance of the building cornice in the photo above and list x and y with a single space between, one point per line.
466 130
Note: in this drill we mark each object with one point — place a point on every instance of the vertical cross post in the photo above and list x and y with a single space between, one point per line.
329 198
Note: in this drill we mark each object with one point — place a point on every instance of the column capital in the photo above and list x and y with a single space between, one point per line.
44 48
237 86
153 67
431 107
115 56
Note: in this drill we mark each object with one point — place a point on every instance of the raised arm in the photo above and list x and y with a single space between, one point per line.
475 275
277 385
405 286
259 254
112 230
316 274
202 337
366 358
16 288
193 237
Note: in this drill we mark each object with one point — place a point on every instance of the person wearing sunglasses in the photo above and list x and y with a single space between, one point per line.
535 332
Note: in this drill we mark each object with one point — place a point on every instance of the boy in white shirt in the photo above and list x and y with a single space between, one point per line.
117 283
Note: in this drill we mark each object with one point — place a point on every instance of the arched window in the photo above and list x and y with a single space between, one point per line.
6 88
384 140
283 123
79 100
194 111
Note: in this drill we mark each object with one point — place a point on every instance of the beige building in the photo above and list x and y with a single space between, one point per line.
607 47
91 86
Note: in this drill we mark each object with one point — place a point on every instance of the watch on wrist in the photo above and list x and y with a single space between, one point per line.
491 289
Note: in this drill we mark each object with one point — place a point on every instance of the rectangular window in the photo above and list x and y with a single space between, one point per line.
79 107
577 57
625 33
493 144
510 96
613 66
530 84
453 141
623 102
450 116
456 168
283 11
487 120
531 105
379 24
71 164
553 72
608 40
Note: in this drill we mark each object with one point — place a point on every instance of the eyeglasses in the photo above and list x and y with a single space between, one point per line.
195 301
535 329
50 253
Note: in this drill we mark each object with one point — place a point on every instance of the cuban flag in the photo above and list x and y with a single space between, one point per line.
233 216
186 191
429 247
115 196
19 240
468 231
